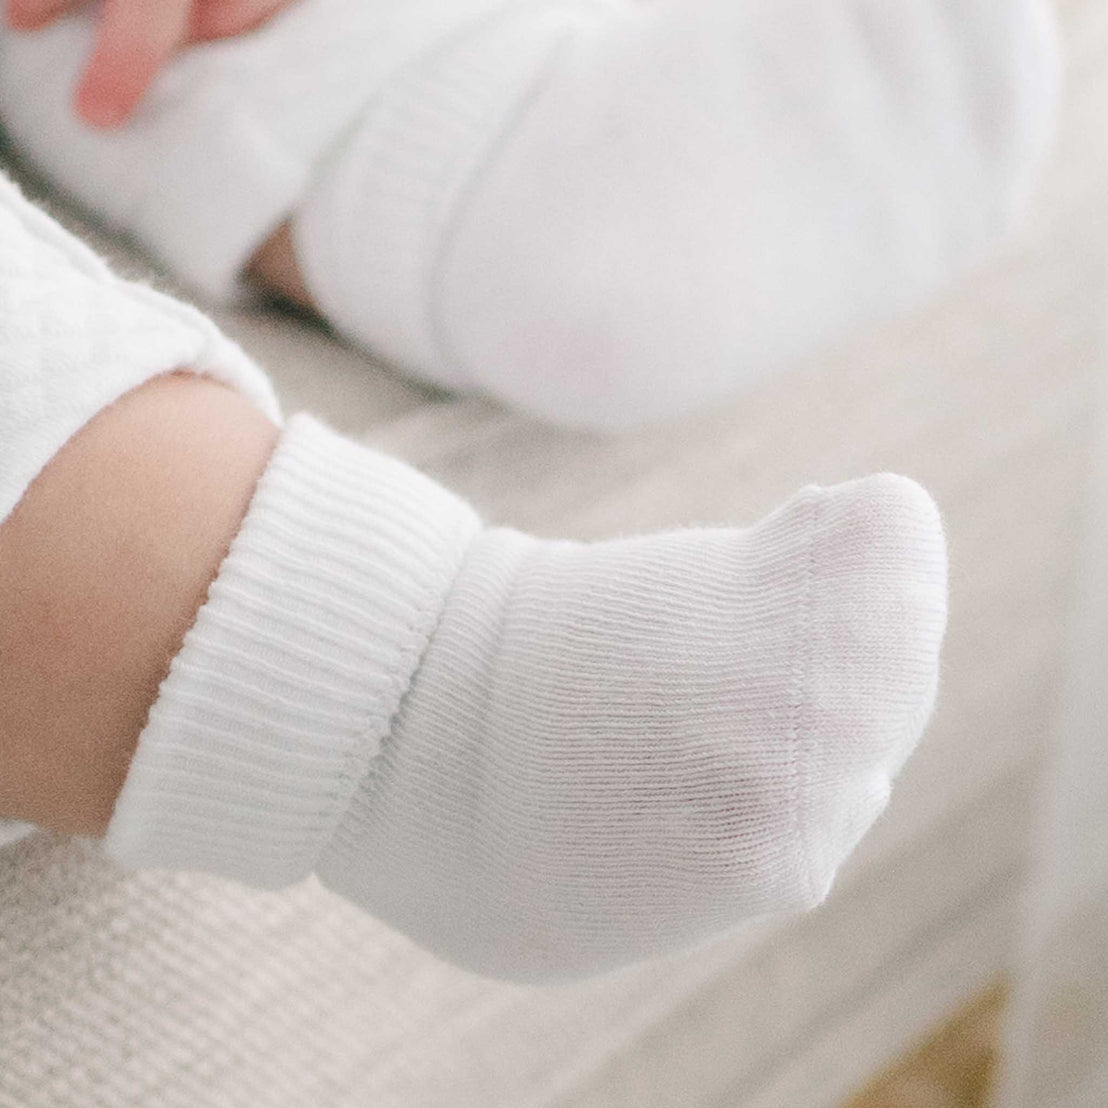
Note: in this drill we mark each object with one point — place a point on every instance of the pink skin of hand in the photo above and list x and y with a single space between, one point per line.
135 39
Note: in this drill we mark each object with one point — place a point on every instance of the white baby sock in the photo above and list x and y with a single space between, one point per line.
602 211
539 759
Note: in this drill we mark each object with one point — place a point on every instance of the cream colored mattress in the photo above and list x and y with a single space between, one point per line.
986 397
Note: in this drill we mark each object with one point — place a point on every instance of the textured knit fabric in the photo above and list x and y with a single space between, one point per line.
539 759
288 682
602 211
12 830
73 338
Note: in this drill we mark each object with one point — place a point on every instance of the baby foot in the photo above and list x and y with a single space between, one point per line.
540 759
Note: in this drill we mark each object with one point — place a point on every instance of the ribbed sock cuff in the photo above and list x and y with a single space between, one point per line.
287 682
237 152
371 229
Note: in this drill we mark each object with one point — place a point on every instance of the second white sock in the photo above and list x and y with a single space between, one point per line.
609 213
601 211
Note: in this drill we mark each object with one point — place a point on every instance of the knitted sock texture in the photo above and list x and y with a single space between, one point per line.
539 759
287 683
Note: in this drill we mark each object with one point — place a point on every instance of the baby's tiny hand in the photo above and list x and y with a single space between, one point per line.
135 38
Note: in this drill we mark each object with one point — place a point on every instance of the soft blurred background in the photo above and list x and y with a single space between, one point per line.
964 953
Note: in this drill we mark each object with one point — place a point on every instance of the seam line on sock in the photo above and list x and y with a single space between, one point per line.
802 679
351 777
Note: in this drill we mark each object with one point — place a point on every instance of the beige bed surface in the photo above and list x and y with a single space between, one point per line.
295 999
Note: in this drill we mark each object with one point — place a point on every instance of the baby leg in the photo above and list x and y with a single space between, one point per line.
539 759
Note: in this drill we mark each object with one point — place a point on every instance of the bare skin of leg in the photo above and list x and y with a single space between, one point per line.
103 565
274 267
